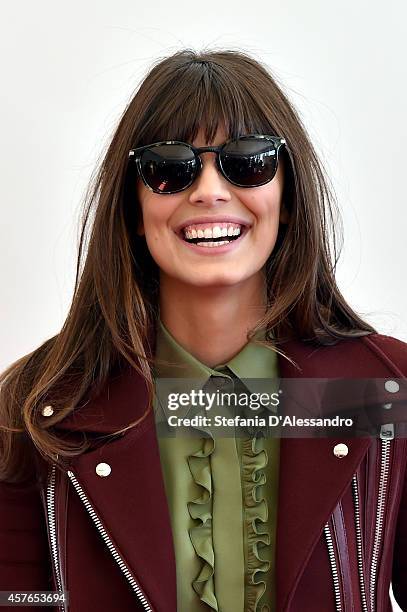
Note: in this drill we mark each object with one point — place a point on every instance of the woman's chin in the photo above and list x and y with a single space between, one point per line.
216 281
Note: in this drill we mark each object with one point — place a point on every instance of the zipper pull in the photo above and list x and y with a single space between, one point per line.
387 431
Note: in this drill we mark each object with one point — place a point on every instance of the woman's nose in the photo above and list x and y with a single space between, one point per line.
210 186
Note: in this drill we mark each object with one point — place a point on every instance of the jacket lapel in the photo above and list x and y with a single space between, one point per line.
312 480
130 502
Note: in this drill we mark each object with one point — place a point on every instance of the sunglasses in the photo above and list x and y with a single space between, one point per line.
172 166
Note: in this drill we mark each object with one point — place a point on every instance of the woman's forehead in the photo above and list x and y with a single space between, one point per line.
220 136
204 135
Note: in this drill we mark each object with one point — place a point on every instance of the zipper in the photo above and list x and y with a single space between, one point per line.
386 436
112 549
53 532
359 547
334 568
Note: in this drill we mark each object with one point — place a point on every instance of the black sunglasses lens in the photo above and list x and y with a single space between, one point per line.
168 167
249 162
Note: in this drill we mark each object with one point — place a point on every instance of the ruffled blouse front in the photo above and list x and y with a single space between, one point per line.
221 509
254 463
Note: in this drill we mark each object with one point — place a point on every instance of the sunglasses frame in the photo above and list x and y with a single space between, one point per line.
135 155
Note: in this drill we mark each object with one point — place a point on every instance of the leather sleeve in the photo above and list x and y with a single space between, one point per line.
399 577
24 551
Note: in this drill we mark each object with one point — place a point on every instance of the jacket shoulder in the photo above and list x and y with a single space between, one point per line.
392 351
369 356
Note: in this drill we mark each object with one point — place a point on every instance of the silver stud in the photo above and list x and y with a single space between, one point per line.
391 386
47 411
340 450
103 469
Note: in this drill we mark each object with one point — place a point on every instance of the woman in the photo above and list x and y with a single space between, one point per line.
93 501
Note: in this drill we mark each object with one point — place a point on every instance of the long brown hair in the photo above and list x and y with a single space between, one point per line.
115 299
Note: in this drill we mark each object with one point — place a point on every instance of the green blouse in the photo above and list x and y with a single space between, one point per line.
221 492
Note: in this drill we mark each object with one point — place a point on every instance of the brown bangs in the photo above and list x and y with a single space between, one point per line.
202 94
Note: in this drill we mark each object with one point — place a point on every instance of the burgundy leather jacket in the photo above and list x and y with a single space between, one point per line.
102 531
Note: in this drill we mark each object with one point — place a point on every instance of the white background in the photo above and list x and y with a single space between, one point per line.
68 70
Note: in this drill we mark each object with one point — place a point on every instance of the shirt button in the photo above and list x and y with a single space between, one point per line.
391 386
103 469
340 450
47 411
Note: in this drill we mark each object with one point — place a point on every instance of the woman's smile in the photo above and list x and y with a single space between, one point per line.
213 237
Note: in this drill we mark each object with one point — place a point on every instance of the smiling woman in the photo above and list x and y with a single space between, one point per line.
208 252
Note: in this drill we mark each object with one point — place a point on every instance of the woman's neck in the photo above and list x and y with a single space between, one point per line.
212 322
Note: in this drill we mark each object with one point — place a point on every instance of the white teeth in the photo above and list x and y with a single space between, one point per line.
212 232
213 244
